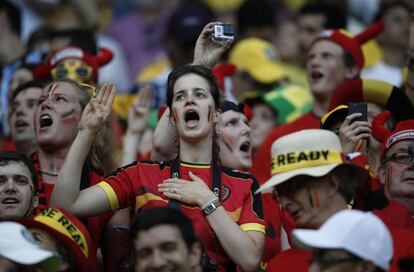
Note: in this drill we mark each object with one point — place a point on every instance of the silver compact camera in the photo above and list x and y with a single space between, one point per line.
223 32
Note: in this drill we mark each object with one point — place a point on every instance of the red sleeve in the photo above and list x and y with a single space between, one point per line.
119 186
251 218
271 212
291 260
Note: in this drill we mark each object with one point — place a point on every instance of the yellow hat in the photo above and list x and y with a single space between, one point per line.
259 59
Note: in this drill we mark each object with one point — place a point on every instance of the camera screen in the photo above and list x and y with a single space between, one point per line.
229 30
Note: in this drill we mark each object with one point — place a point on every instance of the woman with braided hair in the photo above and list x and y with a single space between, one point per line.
220 202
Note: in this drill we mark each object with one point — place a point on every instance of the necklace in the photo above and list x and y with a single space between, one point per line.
51 173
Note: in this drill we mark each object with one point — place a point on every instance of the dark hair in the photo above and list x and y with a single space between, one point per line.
13 15
30 84
391 4
335 16
205 73
349 60
150 218
7 157
255 13
349 180
199 70
84 39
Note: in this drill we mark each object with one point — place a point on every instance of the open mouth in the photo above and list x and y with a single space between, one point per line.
10 201
316 75
245 147
45 120
191 118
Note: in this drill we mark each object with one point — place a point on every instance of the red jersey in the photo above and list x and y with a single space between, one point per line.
94 224
271 212
135 185
262 158
291 260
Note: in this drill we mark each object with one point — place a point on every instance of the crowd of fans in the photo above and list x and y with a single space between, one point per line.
132 140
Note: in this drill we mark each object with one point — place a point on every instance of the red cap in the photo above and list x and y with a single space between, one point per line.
94 61
68 230
404 130
352 44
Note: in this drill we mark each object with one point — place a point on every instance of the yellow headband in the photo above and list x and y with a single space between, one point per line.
58 221
302 159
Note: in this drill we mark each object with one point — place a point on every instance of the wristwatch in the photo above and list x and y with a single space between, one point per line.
211 207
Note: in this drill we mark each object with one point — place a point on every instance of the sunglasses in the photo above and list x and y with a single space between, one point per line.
72 71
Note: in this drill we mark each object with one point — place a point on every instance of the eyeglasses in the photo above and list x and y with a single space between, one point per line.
401 158
89 88
325 261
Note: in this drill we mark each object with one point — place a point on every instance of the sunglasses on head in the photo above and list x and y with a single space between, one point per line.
89 88
72 71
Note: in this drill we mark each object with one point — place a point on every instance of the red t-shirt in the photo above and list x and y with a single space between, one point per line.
291 260
135 185
262 158
395 216
271 212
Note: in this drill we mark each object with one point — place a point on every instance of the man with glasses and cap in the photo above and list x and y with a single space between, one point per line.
397 152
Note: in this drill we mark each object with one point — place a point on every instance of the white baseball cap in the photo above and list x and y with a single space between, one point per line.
360 233
18 245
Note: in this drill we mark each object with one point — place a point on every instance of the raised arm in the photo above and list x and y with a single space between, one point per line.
66 194
208 52
138 117
165 140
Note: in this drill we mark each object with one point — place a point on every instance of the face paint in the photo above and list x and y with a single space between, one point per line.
175 115
66 114
210 114
229 142
313 198
226 143
52 89
69 117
